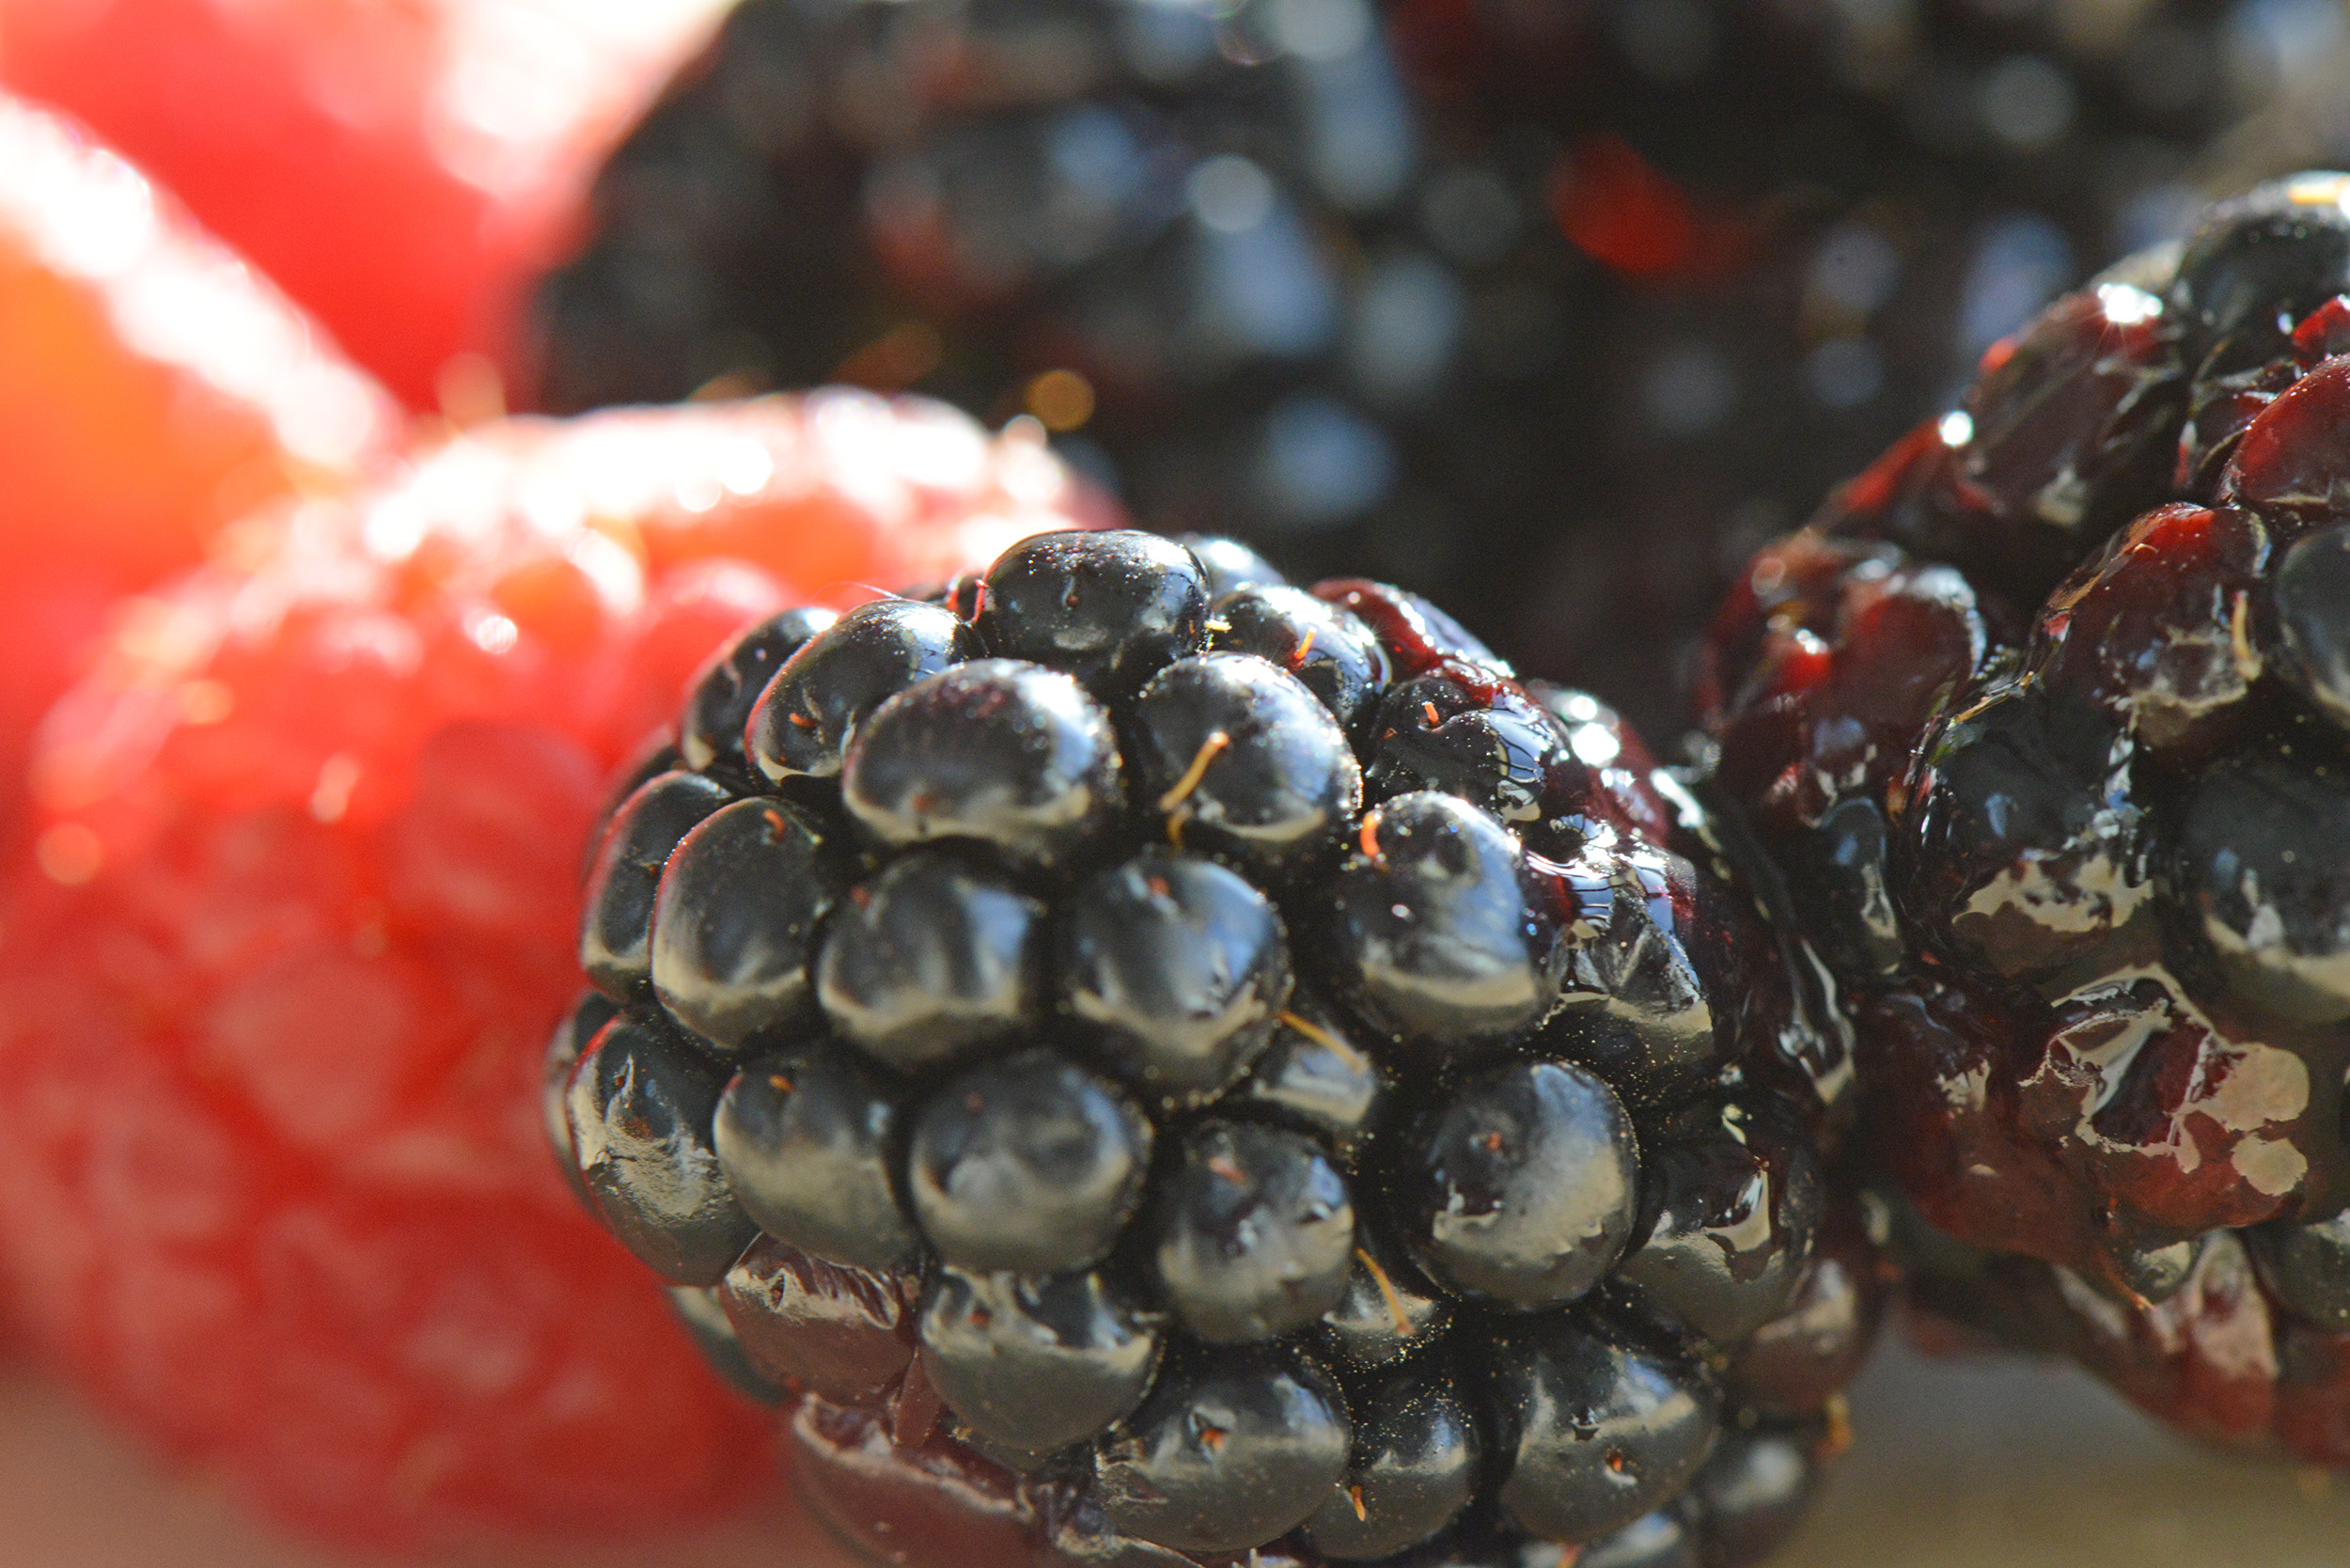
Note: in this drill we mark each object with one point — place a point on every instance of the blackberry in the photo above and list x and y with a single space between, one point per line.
2034 717
1124 1144
1628 283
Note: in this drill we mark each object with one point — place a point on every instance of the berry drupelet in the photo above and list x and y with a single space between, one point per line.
2042 719
1152 1064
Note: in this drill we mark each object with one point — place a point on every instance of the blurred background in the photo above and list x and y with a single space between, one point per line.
1996 1461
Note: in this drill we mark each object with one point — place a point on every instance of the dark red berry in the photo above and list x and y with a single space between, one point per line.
2289 465
2080 874
2027 857
704 1314
2159 628
2065 433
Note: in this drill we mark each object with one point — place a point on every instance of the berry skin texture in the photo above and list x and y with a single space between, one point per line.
271 1034
148 429
1527 1196
2082 875
411 229
1261 1174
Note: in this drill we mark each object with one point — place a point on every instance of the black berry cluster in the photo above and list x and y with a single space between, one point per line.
2044 719
1615 288
1158 1063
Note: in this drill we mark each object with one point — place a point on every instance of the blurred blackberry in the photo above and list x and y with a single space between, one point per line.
1815 217
1158 1073
2042 719
1611 289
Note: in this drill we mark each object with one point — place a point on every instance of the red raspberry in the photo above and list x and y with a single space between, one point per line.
270 1024
404 170
150 389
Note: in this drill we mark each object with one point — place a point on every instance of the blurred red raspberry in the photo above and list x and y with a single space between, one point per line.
403 169
151 389
272 1007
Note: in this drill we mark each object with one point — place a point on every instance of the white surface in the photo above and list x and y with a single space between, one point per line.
2000 1465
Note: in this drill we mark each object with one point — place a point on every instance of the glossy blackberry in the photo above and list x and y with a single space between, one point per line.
1179 968
1607 288
2034 718
1128 1146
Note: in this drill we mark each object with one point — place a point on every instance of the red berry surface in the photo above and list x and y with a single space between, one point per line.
402 169
2044 718
152 388
275 995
